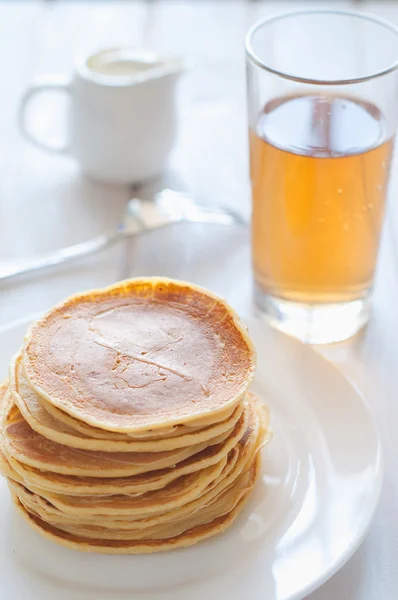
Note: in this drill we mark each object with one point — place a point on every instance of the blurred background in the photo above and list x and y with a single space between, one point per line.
46 203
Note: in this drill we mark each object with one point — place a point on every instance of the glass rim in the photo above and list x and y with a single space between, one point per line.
254 58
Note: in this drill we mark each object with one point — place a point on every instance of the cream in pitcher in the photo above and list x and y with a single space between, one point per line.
122 118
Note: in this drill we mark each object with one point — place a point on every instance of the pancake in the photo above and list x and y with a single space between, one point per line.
7 470
81 486
150 434
52 514
115 515
188 538
26 446
221 506
178 492
46 425
146 337
55 516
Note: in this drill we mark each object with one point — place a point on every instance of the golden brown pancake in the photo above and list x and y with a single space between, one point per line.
136 484
188 538
55 516
8 471
178 492
150 434
180 352
25 445
120 512
45 424
223 504
32 500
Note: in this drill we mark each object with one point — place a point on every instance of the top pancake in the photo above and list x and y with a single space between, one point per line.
142 354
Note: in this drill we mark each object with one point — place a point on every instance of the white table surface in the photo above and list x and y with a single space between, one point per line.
45 203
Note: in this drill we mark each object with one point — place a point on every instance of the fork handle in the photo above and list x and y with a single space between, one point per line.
64 255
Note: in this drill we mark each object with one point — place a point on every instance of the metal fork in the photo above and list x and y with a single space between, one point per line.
167 208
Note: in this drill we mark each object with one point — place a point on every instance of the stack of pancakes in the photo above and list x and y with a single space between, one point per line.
127 425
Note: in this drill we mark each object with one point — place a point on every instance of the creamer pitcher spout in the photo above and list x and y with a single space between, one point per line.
133 65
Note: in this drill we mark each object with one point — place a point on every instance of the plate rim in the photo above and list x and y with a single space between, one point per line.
361 534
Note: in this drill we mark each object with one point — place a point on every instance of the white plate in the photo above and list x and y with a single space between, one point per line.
318 490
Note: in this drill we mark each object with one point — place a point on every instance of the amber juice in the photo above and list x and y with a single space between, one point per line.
319 170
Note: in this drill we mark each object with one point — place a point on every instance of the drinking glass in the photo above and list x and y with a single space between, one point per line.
322 106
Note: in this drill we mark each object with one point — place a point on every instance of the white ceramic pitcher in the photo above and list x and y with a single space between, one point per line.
122 116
